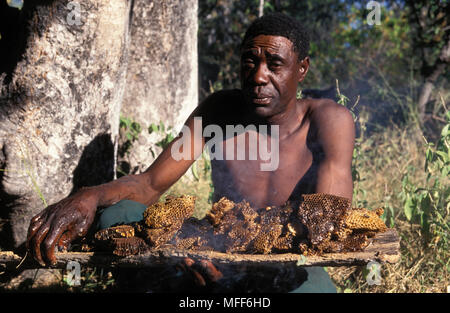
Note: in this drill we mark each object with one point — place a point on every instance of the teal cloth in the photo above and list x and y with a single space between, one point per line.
318 282
127 211
123 212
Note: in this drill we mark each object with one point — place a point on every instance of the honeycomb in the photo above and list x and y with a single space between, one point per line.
323 215
193 234
264 241
322 223
334 226
173 211
128 246
363 219
218 210
120 240
121 231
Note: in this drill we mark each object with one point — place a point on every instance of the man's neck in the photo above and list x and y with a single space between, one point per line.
290 120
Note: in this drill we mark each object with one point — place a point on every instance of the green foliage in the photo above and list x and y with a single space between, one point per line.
165 132
130 131
429 204
357 157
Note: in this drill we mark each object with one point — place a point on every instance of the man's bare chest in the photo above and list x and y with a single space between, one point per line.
243 178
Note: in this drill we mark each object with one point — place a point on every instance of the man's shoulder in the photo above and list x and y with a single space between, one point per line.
326 113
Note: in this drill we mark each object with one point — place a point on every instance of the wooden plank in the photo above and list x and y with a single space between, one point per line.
384 248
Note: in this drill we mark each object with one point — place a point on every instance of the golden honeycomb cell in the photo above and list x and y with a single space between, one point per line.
121 231
161 215
364 219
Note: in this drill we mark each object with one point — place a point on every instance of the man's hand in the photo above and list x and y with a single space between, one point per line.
58 225
203 272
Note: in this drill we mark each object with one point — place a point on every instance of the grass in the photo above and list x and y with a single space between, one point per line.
424 267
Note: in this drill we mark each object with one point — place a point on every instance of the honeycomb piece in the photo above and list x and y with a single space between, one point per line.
276 215
324 216
187 243
247 212
218 210
121 231
128 246
263 243
240 236
160 215
363 219
333 226
194 234
284 243
159 236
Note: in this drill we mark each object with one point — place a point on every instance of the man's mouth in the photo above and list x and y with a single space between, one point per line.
260 99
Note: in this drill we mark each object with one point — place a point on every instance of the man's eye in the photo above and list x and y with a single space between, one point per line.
248 63
274 66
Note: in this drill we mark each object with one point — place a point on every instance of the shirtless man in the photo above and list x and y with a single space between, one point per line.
315 142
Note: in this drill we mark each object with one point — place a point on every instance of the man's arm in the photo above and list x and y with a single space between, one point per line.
60 223
336 135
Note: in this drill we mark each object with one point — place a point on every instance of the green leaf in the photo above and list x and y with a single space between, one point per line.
445 131
152 128
443 155
136 127
194 170
409 208
425 202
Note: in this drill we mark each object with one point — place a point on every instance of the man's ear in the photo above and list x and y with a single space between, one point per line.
303 69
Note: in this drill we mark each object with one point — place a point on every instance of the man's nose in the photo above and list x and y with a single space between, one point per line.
261 74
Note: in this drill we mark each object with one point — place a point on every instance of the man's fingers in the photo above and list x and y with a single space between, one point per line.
188 262
187 266
36 243
213 273
201 270
198 278
52 238
35 223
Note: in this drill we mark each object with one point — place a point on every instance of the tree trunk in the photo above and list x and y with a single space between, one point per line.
438 69
261 8
62 84
162 79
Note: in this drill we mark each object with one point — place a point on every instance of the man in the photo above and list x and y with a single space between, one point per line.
314 143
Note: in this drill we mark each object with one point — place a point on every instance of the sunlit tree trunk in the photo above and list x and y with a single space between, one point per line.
63 70
162 80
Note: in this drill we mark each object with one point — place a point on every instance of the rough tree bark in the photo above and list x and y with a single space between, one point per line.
437 70
62 83
162 79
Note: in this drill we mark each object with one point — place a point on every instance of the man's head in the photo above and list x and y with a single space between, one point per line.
278 24
273 61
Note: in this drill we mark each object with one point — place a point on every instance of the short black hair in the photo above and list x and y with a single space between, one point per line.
279 24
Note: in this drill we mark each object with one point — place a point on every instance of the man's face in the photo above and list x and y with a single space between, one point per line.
270 72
